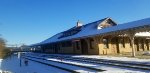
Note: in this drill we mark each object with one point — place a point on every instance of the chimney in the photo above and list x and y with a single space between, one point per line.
79 24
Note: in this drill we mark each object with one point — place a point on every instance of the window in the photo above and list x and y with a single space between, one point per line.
67 44
106 44
91 44
109 22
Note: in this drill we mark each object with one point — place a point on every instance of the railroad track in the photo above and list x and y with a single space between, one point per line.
81 66
65 69
105 62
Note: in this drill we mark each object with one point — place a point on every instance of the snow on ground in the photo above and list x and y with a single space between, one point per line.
75 68
115 58
100 66
13 65
108 58
108 69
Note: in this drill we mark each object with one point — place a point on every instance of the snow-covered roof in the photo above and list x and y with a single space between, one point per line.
91 30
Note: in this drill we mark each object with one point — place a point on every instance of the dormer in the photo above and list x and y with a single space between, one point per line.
107 22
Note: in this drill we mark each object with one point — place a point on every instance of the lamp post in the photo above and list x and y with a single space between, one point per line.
20 56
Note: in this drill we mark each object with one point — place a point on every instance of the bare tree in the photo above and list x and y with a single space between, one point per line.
4 51
2 43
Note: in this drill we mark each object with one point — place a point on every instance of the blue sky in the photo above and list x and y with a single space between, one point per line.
32 21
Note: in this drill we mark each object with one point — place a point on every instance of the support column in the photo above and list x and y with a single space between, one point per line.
88 45
132 35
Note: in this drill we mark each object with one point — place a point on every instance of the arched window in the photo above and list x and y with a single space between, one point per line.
122 42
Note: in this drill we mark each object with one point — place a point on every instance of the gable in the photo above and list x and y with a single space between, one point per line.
106 23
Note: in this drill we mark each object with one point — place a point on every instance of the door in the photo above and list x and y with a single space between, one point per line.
84 46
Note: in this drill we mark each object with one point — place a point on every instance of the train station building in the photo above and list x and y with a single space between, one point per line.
104 36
